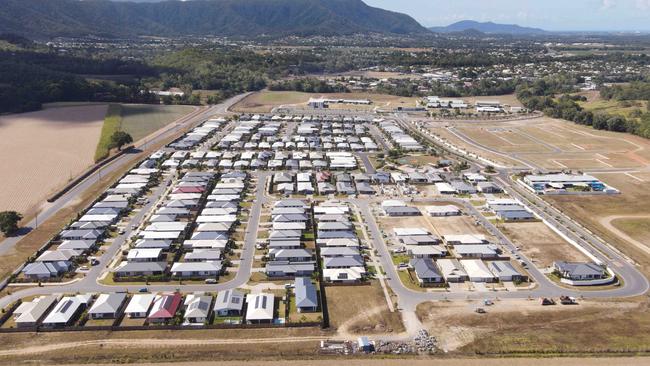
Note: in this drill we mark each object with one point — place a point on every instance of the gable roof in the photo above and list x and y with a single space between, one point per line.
305 292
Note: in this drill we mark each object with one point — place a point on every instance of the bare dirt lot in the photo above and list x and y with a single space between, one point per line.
549 143
525 327
361 309
539 243
43 150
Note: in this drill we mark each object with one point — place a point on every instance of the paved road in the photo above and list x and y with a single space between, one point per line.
634 282
50 209
90 284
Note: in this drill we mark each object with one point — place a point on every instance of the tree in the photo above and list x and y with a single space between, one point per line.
120 138
9 222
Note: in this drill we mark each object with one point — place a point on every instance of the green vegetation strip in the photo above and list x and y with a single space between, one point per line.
112 123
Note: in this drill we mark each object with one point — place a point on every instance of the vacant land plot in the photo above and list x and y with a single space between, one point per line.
41 151
595 212
138 120
539 243
361 309
624 108
637 228
453 225
265 101
549 143
525 327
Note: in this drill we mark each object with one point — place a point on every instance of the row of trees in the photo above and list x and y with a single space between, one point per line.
308 85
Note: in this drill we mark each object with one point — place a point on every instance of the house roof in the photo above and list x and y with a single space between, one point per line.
579 269
210 266
425 268
165 306
65 309
305 292
260 306
39 306
229 300
140 303
197 306
108 303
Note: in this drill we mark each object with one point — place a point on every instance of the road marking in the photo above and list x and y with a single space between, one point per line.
578 146
604 163
560 164
602 156
635 177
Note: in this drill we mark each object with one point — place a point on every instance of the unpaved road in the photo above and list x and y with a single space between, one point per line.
121 343
607 223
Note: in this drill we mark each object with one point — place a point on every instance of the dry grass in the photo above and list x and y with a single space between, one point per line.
265 101
592 210
638 229
552 144
539 243
525 327
41 151
361 309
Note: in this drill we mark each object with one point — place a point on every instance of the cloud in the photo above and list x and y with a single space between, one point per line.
607 4
643 4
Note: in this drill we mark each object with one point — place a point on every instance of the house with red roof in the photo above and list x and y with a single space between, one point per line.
164 307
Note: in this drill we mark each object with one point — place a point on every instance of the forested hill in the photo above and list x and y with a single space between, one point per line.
74 18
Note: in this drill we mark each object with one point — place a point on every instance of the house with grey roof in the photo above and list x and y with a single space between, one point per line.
504 271
306 295
286 269
108 306
426 272
45 270
138 269
343 262
291 255
578 271
396 211
209 269
197 308
229 302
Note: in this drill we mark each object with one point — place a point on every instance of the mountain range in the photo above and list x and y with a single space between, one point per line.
51 18
487 28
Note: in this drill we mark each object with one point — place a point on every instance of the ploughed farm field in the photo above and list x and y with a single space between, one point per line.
41 151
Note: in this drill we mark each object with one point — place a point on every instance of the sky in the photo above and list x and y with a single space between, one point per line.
554 15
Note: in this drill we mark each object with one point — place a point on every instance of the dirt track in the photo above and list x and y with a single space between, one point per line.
121 343
607 361
607 223
42 150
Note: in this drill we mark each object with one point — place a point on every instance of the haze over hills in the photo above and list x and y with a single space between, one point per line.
50 18
487 27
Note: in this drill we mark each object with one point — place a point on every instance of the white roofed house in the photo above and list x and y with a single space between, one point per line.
208 269
66 311
477 271
139 305
260 308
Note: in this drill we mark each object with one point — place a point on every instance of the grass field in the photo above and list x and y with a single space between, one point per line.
138 120
638 228
265 101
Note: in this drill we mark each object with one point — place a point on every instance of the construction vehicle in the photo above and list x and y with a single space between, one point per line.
547 301
568 300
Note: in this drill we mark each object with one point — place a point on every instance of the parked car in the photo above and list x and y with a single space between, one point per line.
210 280
144 289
